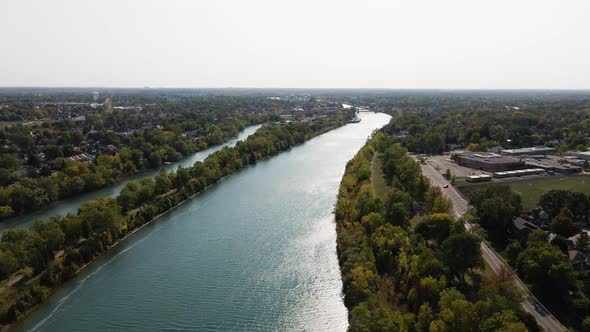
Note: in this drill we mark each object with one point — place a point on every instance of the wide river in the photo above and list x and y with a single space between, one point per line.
255 252
72 204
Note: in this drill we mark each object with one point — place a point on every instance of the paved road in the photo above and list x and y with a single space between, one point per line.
460 205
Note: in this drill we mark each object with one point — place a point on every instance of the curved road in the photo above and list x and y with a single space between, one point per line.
460 205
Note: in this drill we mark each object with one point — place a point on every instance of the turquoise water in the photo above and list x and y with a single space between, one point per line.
255 252
72 204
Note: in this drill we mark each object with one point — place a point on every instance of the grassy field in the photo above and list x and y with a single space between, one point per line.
531 190
380 188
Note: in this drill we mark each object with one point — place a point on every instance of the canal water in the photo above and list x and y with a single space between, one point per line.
255 252
72 204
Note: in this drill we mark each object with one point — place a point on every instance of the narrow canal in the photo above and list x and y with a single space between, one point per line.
72 204
255 252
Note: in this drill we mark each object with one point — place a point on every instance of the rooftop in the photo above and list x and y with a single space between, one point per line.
536 149
489 157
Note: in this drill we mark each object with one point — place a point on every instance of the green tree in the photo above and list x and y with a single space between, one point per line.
101 213
128 197
424 319
462 252
563 224
398 208
8 264
458 313
388 241
435 227
5 211
503 321
547 268
442 205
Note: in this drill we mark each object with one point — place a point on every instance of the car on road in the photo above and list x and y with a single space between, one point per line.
446 186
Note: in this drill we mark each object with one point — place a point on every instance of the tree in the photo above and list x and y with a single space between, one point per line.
585 326
5 211
442 205
398 207
582 243
101 213
448 174
128 197
425 317
503 321
495 215
563 225
51 233
388 241
457 313
511 252
547 268
163 183
436 227
554 200
8 264
462 252
372 221
155 159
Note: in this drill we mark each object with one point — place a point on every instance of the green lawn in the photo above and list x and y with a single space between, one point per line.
531 190
380 188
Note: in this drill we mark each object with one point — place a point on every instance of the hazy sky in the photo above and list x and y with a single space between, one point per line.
303 43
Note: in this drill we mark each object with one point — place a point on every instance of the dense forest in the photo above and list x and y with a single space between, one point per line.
407 264
54 250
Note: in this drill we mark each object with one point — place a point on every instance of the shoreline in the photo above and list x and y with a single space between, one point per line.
137 229
118 182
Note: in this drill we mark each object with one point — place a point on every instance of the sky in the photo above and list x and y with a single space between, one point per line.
451 44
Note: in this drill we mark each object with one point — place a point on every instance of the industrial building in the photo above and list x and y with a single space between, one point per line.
520 172
538 150
584 155
487 161
479 178
554 164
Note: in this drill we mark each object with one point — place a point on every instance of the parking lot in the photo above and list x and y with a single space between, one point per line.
443 162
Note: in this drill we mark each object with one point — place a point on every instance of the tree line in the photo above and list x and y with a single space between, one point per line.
480 130
54 250
406 263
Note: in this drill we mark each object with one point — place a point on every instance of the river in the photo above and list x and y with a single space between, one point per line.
72 204
255 252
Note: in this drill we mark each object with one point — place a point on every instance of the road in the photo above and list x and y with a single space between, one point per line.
460 205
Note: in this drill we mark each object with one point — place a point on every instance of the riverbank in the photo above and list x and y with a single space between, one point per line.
406 262
72 204
168 203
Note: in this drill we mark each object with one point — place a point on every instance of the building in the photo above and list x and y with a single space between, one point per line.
584 155
554 164
522 227
479 178
520 172
538 150
81 157
486 161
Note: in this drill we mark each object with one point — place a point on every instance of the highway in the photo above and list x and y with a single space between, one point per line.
460 205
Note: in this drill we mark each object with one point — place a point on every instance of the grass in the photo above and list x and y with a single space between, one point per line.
531 190
380 187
